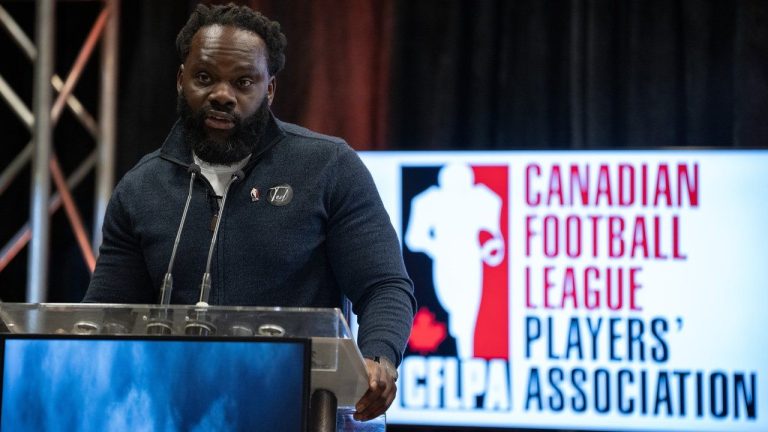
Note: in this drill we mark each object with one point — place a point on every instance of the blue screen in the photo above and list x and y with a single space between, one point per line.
157 385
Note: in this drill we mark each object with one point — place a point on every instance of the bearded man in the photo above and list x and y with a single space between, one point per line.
304 226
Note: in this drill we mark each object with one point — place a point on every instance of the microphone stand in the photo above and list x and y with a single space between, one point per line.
161 322
198 325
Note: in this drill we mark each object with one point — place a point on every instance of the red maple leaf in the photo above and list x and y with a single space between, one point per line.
427 334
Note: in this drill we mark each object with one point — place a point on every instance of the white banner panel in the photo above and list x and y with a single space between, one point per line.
583 290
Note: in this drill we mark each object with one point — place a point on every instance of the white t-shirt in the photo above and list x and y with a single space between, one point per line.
219 175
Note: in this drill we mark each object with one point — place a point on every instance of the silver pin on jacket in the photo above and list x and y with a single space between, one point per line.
280 195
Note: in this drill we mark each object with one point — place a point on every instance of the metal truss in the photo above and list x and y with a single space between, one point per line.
42 119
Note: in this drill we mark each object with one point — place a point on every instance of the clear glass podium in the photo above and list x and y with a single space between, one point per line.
337 367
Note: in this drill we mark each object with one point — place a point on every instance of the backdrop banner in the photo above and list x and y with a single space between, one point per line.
583 289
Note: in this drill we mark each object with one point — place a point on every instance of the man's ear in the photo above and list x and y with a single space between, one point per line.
179 77
271 87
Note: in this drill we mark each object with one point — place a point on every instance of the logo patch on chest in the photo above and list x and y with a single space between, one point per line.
280 195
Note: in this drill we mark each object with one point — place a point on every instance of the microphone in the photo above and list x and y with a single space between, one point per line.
167 286
160 322
205 285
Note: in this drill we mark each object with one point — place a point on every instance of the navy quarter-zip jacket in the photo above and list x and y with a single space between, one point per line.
334 237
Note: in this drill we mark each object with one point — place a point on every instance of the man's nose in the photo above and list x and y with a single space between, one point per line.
223 94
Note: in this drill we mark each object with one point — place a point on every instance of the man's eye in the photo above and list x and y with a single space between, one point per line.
244 82
203 78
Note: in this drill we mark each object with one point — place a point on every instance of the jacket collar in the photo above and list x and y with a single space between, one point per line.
176 149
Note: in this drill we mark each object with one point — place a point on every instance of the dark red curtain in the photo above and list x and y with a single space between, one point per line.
336 79
522 74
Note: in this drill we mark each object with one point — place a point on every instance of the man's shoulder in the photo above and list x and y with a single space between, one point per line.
144 173
147 162
301 133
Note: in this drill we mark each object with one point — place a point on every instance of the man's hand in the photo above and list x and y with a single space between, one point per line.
381 389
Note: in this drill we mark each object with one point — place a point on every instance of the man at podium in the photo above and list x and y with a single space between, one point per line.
266 212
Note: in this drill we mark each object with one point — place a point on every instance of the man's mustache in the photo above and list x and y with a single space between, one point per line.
220 111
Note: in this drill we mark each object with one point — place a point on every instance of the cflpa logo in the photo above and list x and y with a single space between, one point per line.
455 248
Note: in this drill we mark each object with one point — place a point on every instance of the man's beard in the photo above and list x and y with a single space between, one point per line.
243 138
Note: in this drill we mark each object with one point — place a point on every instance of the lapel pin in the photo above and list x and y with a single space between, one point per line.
280 195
